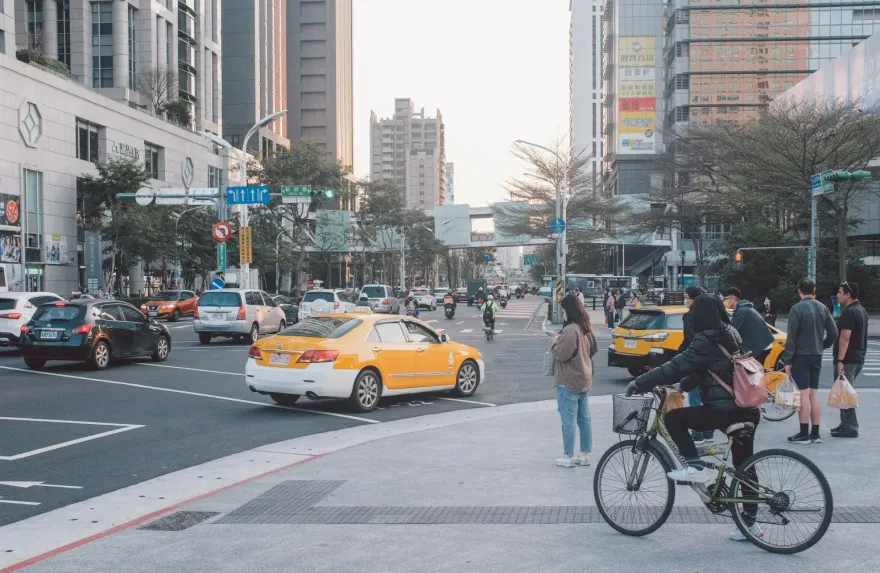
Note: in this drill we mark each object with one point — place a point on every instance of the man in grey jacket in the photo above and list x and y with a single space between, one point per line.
755 333
811 330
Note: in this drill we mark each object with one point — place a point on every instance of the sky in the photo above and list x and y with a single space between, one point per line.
496 69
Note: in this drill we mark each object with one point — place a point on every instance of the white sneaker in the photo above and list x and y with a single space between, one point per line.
690 474
565 462
755 529
582 459
698 441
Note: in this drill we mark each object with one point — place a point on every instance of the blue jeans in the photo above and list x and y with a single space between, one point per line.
694 400
574 408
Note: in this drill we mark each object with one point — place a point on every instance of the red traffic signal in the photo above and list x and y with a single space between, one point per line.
738 257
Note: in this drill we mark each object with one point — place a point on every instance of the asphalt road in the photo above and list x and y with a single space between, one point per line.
96 432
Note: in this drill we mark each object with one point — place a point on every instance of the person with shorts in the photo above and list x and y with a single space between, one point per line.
811 330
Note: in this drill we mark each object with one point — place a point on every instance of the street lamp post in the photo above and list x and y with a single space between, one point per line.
278 263
561 246
681 270
245 279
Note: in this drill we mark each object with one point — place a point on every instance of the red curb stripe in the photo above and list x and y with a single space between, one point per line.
37 558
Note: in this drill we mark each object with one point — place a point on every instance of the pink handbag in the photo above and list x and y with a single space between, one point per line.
749 389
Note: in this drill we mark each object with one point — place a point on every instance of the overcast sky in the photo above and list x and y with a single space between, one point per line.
496 69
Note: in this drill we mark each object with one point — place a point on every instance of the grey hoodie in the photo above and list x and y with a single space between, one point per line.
807 322
754 331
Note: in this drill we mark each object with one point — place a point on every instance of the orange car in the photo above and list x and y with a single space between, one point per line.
171 304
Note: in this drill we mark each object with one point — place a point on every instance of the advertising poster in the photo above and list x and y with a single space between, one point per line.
10 247
637 94
636 52
10 213
55 250
93 254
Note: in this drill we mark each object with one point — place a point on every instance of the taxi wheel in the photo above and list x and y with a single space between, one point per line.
366 391
467 379
284 399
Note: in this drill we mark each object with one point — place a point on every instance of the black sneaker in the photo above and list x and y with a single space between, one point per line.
815 439
799 438
835 430
846 434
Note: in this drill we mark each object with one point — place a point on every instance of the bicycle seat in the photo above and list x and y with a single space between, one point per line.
739 429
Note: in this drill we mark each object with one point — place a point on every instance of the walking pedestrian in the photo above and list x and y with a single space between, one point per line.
573 351
610 303
754 332
687 321
580 295
804 345
849 351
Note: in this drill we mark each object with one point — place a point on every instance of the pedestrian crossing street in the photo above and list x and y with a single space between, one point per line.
872 361
469 321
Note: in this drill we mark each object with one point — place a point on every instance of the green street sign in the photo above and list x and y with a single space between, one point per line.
530 259
296 191
221 257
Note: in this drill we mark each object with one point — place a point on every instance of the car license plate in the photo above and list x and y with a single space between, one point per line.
153 313
49 335
279 359
629 343
218 316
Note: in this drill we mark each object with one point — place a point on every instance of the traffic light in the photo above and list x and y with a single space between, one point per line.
322 194
738 259
847 176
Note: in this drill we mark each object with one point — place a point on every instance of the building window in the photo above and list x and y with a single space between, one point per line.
35 25
215 175
215 86
33 205
151 159
87 141
214 21
132 14
2 42
169 44
102 45
64 32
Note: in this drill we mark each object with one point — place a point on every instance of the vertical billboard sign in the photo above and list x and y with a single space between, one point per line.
94 256
636 95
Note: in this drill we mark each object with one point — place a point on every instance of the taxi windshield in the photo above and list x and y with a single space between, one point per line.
652 321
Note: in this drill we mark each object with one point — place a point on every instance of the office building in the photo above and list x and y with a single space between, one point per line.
255 82
55 124
409 150
632 48
319 75
585 82
724 62
450 184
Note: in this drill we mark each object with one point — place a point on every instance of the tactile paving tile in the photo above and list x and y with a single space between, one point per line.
293 502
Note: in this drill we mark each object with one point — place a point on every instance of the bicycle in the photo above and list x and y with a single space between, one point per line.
777 488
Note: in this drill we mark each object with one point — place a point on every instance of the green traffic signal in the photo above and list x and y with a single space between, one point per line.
323 194
846 175
860 174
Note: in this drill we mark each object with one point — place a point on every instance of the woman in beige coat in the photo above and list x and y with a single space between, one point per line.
573 349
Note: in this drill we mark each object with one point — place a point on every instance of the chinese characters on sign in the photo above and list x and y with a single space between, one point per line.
637 95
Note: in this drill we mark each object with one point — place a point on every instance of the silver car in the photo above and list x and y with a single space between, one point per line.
237 313
380 298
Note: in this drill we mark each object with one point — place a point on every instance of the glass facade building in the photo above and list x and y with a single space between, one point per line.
723 60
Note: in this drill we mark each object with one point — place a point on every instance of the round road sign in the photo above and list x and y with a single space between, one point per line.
144 197
221 231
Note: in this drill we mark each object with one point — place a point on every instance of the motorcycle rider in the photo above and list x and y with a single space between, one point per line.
488 311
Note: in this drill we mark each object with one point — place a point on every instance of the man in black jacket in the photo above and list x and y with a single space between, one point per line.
691 294
754 332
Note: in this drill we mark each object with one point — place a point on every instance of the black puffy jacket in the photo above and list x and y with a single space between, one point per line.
691 368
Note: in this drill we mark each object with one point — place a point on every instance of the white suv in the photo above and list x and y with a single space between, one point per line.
237 313
322 301
16 309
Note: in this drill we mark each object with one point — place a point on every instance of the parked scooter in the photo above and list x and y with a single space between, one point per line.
449 305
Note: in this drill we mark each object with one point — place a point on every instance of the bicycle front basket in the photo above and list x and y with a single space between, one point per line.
631 414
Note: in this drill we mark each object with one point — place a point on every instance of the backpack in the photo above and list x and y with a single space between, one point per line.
620 303
749 388
487 314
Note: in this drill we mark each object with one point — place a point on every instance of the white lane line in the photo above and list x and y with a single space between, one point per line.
467 330
118 428
179 327
460 322
188 393
468 402
9 501
191 369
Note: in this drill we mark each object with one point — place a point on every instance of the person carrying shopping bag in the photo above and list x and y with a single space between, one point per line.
573 350
849 351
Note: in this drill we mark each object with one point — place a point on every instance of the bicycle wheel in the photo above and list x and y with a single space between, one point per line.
775 413
640 511
797 506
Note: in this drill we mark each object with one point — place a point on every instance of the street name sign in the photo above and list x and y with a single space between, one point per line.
221 257
296 194
250 195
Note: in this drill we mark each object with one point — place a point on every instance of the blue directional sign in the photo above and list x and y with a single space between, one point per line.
487 257
250 195
557 226
217 284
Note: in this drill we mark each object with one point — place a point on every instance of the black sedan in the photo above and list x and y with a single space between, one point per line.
93 331
291 310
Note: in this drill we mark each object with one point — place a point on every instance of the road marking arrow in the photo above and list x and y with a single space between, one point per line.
18 502
27 484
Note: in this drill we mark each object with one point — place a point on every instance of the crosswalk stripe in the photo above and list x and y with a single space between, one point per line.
468 330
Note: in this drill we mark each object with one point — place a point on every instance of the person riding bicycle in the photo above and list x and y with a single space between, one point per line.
690 369
488 311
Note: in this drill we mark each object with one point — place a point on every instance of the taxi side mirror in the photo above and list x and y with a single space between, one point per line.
444 338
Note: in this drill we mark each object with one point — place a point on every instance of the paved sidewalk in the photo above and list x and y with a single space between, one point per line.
461 492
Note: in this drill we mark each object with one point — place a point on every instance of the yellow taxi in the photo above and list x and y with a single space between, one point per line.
649 337
362 357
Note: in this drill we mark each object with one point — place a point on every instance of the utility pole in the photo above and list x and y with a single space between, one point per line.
824 183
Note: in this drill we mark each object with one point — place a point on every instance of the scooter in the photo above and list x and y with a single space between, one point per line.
449 306
503 302
489 329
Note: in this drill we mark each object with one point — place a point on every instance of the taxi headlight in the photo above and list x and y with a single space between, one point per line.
616 335
656 337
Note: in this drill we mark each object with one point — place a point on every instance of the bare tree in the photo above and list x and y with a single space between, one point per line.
159 86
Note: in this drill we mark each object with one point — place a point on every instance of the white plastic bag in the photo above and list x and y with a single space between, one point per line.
787 394
549 363
842 394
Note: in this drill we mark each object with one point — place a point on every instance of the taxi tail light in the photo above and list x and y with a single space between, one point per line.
656 337
317 356
83 328
241 313
255 353
12 315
